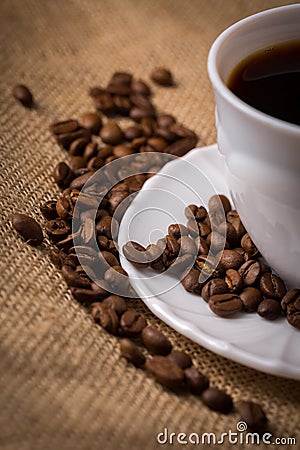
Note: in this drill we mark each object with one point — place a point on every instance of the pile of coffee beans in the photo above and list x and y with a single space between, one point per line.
92 142
227 270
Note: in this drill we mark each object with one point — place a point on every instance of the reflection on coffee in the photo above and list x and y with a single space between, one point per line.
269 80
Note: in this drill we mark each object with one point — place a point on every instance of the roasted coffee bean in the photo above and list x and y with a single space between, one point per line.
95 163
165 120
201 246
195 381
207 268
183 132
57 257
180 266
116 278
88 296
64 208
250 272
133 132
199 213
232 215
187 246
57 229
28 228
91 121
181 147
218 203
116 200
23 95
131 352
155 341
239 227
111 133
162 76
167 134
132 323
104 102
121 78
227 230
166 372
48 209
63 175
138 113
251 298
109 258
191 282
217 242
233 280
192 227
117 303
157 144
73 276
182 359
217 400
136 254
172 247
79 182
77 147
269 309
249 246
118 90
142 101
230 259
90 151
77 162
214 287
140 87
122 150
204 230
177 230
64 127
264 268
106 317
67 139
225 305
291 306
272 286
253 414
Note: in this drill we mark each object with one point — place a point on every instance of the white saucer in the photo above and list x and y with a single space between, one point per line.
271 347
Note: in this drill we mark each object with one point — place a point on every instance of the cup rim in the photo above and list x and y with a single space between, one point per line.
226 93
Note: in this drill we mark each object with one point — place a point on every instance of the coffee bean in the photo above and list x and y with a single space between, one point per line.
73 276
162 76
77 162
111 133
264 268
172 247
78 145
165 372
225 305
230 259
122 150
214 287
79 182
177 230
48 209
28 228
117 303
157 144
233 280
23 95
207 268
138 113
217 400
118 90
66 139
104 102
180 358
109 258
191 282
227 230
239 227
180 265
88 296
272 286
199 213
253 414
57 229
91 151
269 309
140 87
63 175
155 341
64 208
291 306
132 323
219 203
131 352
57 257
251 298
133 132
250 272
195 381
201 246
181 147
217 242
187 246
249 246
116 278
106 317
136 254
64 127
91 121
232 215
121 78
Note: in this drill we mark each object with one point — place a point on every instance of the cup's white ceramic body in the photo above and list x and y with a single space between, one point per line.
262 153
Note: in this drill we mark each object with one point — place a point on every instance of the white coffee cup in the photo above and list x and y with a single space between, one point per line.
262 153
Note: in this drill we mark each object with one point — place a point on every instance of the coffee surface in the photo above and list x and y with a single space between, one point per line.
269 80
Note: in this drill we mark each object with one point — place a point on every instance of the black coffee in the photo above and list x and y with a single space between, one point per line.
269 80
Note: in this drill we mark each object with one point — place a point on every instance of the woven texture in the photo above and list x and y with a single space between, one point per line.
62 382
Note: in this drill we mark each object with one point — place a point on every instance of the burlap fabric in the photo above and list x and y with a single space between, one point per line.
62 383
